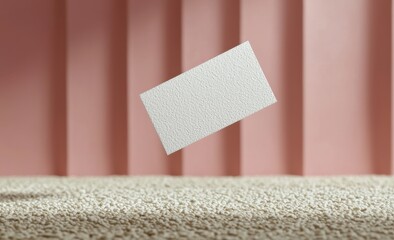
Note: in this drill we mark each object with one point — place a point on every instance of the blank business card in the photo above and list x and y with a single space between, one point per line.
207 98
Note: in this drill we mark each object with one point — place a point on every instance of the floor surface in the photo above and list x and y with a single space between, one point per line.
197 208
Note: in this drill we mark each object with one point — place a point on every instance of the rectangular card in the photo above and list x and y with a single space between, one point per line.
208 98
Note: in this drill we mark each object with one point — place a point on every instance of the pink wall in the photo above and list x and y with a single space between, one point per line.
71 72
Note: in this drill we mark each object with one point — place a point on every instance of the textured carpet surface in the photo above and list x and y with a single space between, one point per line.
197 208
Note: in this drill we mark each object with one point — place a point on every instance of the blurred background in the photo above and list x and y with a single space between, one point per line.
71 72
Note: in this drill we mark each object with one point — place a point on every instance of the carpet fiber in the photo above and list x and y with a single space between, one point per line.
197 208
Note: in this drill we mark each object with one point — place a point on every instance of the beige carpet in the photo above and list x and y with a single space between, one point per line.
197 208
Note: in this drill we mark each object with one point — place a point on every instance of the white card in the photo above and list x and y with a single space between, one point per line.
207 98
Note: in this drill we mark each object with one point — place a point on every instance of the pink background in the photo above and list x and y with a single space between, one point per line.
71 72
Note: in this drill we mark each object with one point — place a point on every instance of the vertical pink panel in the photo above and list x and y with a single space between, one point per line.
153 57
392 89
96 87
379 56
208 29
271 140
32 101
346 86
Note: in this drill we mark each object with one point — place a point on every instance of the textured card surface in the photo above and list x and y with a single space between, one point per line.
207 98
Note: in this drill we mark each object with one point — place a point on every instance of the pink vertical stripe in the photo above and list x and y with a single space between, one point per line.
208 29
32 126
379 14
392 90
96 78
153 57
271 140
346 84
